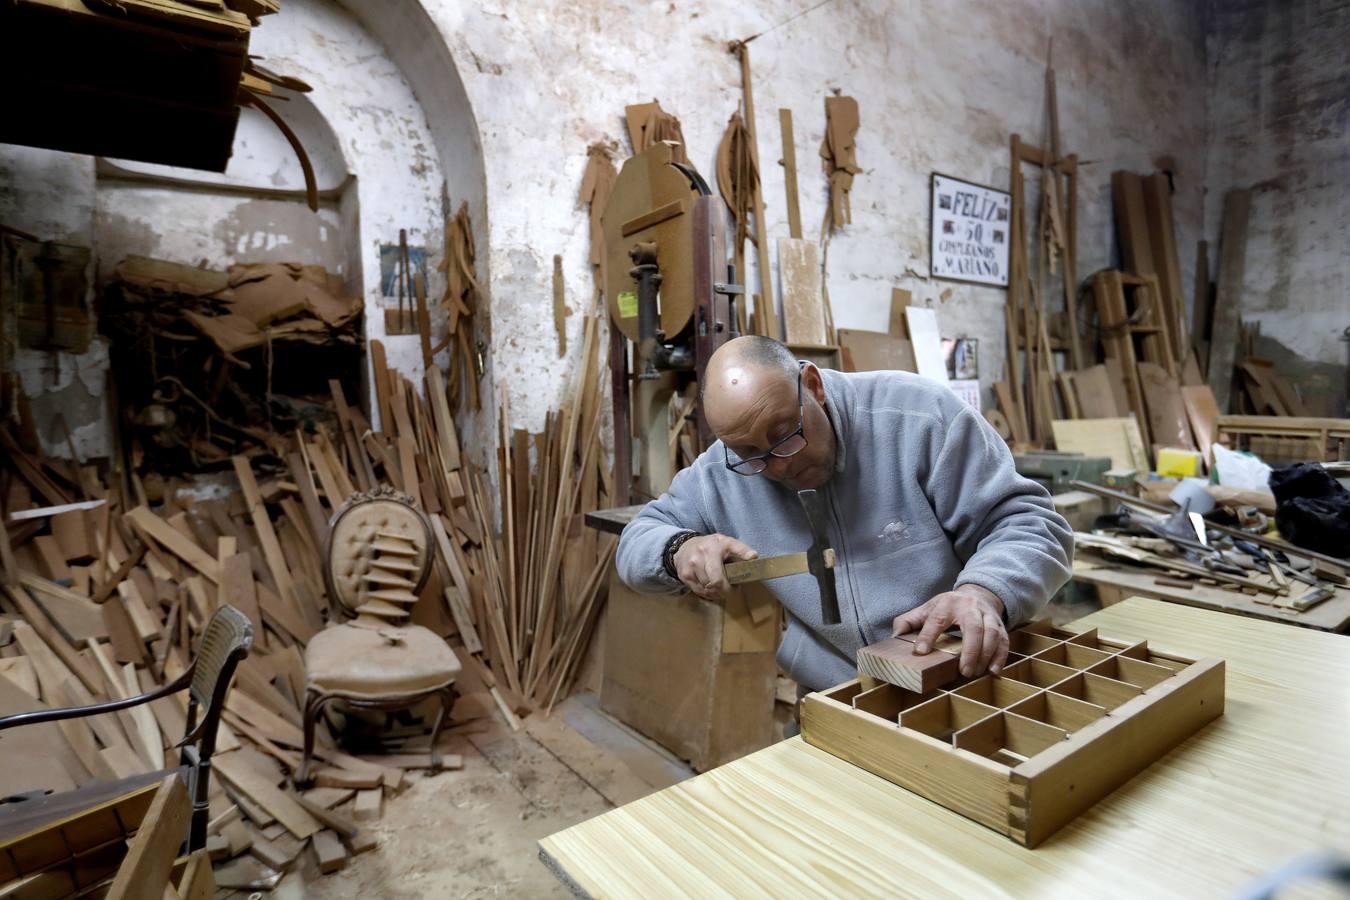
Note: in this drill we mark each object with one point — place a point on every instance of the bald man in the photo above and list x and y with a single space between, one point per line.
932 525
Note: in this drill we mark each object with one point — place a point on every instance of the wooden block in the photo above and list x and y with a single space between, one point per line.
895 662
368 804
145 871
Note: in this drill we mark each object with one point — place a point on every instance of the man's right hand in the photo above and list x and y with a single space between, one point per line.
699 563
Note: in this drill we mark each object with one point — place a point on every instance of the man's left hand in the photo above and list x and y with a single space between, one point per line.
977 612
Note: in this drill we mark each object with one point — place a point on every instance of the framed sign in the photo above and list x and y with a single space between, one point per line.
969 236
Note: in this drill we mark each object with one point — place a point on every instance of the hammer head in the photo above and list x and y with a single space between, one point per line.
820 556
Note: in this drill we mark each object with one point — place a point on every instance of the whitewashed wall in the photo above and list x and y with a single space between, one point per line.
940 87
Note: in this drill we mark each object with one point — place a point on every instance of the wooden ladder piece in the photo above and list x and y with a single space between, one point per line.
384 545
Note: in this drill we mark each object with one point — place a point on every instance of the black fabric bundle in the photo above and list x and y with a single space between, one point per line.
1312 509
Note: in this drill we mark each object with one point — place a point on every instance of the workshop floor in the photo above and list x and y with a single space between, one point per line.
471 833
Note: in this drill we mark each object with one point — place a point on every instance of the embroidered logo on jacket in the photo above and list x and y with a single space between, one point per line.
894 533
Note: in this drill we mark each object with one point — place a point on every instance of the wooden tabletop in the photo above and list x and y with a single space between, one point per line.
1260 786
1332 614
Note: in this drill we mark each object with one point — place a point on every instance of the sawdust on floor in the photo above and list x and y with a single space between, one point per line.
472 833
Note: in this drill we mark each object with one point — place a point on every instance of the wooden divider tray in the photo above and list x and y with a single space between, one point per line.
1071 718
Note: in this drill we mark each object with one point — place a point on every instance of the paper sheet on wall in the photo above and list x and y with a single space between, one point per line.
923 334
968 389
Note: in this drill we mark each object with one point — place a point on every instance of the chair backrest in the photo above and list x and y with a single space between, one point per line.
228 638
366 522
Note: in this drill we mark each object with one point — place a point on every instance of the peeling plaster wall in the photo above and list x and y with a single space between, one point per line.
362 119
1280 123
940 87
51 196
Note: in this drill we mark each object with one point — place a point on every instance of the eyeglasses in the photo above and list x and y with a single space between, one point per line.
783 448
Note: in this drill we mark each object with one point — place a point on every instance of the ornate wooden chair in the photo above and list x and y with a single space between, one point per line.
377 559
227 639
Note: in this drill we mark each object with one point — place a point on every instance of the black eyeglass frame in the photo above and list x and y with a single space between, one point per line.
769 454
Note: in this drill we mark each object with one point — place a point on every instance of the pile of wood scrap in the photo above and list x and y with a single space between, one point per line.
1186 549
104 597
211 364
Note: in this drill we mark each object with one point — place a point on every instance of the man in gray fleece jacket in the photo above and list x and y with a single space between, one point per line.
932 526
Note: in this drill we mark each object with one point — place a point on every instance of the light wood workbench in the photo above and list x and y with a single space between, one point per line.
1258 787
1329 615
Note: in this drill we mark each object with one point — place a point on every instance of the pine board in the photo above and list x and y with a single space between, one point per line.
793 820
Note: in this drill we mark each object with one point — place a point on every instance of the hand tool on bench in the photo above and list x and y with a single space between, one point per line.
818 560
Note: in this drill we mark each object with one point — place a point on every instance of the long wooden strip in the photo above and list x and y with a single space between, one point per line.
262 523
281 805
155 528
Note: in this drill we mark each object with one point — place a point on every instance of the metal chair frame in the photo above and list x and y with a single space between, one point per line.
227 639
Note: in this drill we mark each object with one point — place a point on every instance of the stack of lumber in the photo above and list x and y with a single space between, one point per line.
103 596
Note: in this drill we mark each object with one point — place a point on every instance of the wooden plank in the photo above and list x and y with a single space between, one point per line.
1228 299
155 528
559 307
874 351
36 627
380 369
1166 413
284 807
799 282
895 662
237 589
145 871
1117 438
1157 190
1093 392
789 162
267 537
1203 414
78 618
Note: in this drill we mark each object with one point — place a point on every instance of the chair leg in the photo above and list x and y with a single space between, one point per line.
314 703
447 702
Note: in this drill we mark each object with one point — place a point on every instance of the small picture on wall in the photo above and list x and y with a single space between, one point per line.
945 201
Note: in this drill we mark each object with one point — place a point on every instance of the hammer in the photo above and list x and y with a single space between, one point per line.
819 560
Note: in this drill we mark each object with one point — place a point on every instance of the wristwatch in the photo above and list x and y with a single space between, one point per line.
672 547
